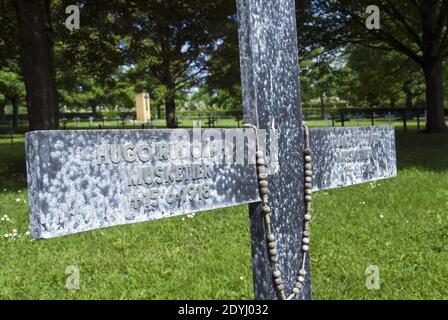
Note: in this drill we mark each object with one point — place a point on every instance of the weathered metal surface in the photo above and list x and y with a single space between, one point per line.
84 180
72 190
352 155
270 83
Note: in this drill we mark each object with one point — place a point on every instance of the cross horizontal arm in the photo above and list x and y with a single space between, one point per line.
350 155
89 179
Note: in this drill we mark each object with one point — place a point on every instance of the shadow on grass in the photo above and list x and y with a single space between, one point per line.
12 164
422 151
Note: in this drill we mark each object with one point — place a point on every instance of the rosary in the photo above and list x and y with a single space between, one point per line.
266 210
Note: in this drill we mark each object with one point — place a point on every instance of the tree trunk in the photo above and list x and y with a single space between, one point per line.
435 121
2 110
170 107
93 106
322 106
37 62
159 111
408 94
15 112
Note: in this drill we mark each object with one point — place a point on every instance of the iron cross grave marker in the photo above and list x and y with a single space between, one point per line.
83 180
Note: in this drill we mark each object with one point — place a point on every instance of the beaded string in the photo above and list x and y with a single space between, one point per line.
266 210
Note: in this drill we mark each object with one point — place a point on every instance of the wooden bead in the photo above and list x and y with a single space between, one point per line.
272 252
302 272
299 285
308 198
261 170
263 184
264 191
259 154
267 219
308 159
273 259
306 233
308 192
280 287
309 179
296 290
305 248
300 279
307 217
308 185
277 274
306 240
271 237
265 209
307 151
308 166
308 173
272 245
262 176
261 162
307 225
278 281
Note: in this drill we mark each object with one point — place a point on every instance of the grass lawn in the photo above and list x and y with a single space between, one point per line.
399 225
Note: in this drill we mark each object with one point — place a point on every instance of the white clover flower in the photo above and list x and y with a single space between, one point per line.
6 235
18 200
27 233
381 216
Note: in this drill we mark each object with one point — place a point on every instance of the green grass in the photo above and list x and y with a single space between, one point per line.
399 225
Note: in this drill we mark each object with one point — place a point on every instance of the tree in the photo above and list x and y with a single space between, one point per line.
223 81
319 76
172 40
12 88
381 79
417 29
37 62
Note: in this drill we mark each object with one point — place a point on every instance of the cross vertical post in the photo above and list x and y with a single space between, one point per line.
271 101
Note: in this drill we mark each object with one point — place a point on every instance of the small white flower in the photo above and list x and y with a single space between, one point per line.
241 278
14 230
7 219
18 200
381 216
2 219
19 191
27 233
